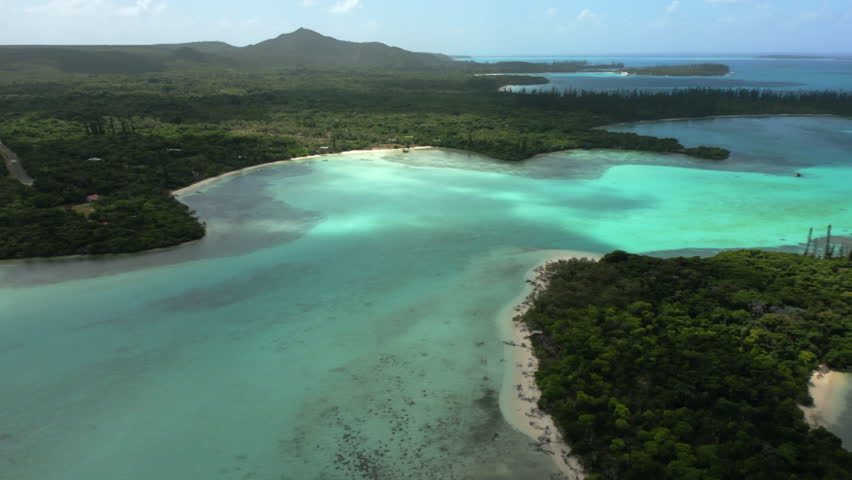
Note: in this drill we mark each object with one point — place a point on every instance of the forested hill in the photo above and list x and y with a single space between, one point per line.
310 49
302 48
118 59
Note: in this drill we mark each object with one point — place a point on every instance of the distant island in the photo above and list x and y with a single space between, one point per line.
801 57
536 67
692 70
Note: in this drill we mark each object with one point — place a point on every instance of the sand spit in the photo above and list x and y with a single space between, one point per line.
828 390
211 180
520 394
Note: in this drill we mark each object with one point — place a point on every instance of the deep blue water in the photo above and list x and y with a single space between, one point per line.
746 73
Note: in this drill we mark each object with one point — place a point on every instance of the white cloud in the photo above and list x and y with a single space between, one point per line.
586 19
142 7
68 8
666 17
92 8
673 7
345 6
588 16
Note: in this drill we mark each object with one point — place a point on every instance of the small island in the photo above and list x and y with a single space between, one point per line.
692 70
799 57
578 66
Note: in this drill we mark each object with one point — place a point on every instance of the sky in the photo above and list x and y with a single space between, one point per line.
472 27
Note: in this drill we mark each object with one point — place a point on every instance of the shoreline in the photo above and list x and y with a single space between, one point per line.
98 256
209 181
824 385
190 189
710 117
519 393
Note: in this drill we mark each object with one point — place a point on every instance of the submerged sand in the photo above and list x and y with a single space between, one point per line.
520 394
828 389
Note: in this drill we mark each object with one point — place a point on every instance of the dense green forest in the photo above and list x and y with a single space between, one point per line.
302 48
692 368
694 70
157 132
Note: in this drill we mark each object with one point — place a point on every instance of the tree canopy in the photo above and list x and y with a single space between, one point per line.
692 368
158 132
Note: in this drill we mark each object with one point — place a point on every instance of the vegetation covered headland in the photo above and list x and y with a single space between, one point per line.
105 149
693 368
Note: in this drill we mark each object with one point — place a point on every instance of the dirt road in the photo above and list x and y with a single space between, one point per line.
13 164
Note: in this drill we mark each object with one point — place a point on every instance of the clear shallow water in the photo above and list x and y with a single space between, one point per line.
759 73
339 319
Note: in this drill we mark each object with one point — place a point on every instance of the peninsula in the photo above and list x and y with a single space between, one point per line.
643 362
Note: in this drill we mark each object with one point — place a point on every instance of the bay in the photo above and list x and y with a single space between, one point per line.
339 319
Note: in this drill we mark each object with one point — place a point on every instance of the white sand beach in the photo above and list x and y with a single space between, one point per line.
520 394
828 389
211 180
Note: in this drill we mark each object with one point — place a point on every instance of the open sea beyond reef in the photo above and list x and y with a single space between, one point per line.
339 320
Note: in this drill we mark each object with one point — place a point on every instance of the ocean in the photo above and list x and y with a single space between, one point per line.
340 319
746 72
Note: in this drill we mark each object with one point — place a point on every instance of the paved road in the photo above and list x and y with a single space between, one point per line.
13 164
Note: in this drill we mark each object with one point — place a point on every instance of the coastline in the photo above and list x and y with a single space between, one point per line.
519 394
710 117
190 189
209 181
828 389
86 256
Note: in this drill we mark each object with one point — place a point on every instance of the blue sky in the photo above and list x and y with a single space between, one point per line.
450 26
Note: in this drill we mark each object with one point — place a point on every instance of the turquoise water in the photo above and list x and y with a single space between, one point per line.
339 321
789 74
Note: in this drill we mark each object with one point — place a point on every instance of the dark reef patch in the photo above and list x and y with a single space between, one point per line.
234 290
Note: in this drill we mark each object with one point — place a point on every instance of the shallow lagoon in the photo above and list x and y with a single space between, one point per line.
339 319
